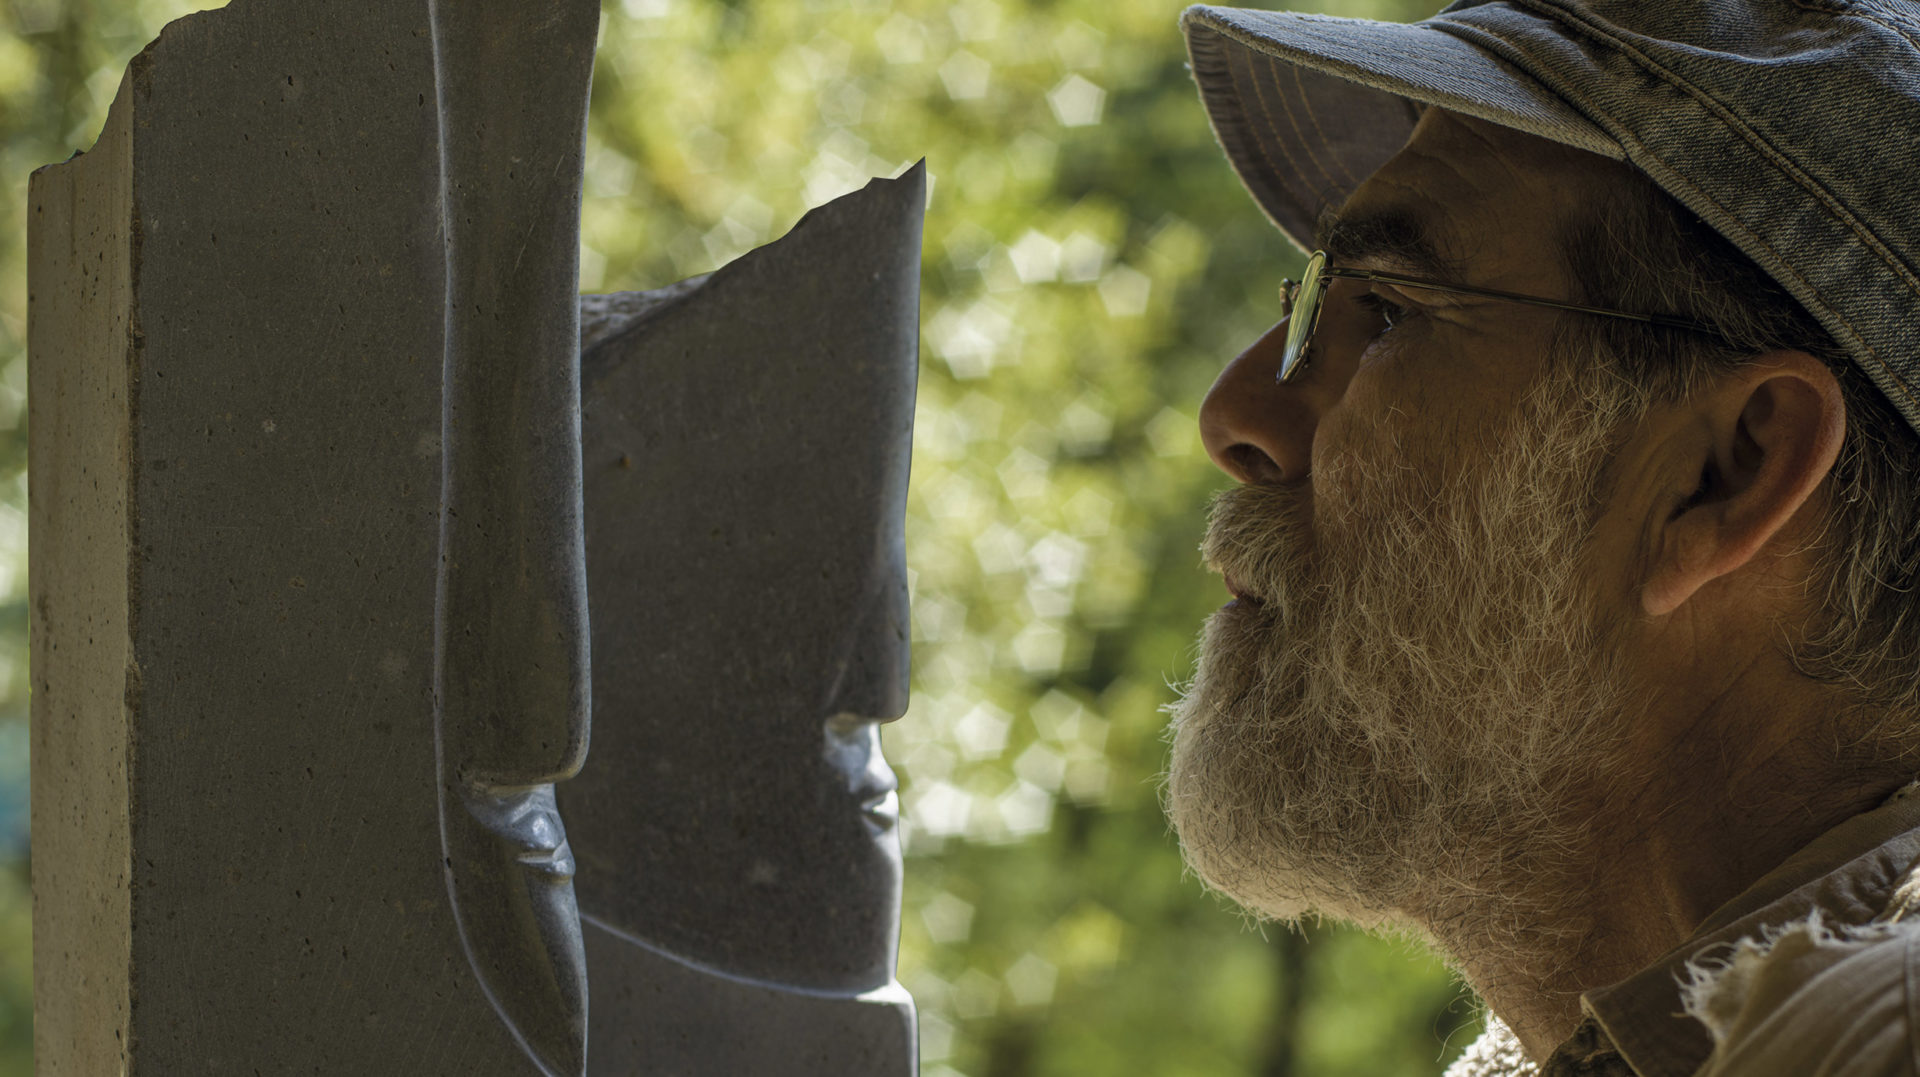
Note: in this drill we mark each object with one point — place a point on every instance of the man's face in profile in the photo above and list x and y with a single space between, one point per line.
1410 699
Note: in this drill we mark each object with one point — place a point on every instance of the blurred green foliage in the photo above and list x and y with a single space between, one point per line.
1090 263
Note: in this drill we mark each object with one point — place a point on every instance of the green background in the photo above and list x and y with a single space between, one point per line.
1090 263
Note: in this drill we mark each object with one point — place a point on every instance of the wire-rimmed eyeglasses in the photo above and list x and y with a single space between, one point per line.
1302 302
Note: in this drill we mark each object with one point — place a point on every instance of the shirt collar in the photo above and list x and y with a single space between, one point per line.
1848 874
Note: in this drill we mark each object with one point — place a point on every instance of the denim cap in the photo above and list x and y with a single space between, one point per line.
1790 126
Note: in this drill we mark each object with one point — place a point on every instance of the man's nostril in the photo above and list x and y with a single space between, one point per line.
1250 465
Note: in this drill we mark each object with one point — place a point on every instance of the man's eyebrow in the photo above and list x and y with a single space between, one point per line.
1394 240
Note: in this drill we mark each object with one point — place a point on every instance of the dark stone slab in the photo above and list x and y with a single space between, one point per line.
745 444
241 328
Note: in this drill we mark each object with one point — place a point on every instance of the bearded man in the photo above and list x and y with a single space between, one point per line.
1576 539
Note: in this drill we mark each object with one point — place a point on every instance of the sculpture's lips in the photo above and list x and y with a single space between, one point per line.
882 811
879 797
852 750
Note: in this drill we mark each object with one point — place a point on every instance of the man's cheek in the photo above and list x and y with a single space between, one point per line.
1348 456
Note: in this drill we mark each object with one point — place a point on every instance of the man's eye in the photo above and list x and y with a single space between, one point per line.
1391 314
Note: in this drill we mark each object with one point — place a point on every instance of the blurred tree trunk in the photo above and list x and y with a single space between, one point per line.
1282 1039
1010 1050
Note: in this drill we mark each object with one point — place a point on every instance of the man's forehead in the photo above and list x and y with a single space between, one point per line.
1462 196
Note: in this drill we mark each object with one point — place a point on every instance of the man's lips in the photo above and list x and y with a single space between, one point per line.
1240 592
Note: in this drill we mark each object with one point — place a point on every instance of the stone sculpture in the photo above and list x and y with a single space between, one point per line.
746 480
310 568
308 299
510 633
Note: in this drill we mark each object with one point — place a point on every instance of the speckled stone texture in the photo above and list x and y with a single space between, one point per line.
238 337
745 446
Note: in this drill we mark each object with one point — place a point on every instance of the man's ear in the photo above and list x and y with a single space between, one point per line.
1773 429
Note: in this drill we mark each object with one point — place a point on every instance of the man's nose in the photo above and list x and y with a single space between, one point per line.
1255 429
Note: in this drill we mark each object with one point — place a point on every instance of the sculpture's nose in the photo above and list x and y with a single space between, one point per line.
874 668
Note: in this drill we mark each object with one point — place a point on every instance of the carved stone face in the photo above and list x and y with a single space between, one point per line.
511 634
745 445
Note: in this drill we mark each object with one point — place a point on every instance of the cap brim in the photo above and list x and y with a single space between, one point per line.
1307 106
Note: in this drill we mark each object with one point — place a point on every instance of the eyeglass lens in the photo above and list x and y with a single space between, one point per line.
1302 315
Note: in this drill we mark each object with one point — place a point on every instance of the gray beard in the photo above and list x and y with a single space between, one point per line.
1403 731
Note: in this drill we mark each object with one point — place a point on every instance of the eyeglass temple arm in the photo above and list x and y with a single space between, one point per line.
1491 293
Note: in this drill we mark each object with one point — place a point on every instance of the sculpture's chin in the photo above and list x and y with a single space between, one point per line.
826 920
805 898
788 873
510 874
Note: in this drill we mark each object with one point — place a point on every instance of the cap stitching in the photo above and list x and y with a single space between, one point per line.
1267 145
1857 13
1312 117
1273 68
1227 112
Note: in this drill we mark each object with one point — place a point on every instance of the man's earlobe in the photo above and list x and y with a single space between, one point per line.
1774 428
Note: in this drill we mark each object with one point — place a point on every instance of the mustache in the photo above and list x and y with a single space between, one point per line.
1260 538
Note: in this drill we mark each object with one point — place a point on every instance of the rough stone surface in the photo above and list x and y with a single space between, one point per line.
745 450
80 314
238 341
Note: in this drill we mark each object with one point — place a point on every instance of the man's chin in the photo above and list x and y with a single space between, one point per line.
1366 816
1223 795
1251 842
